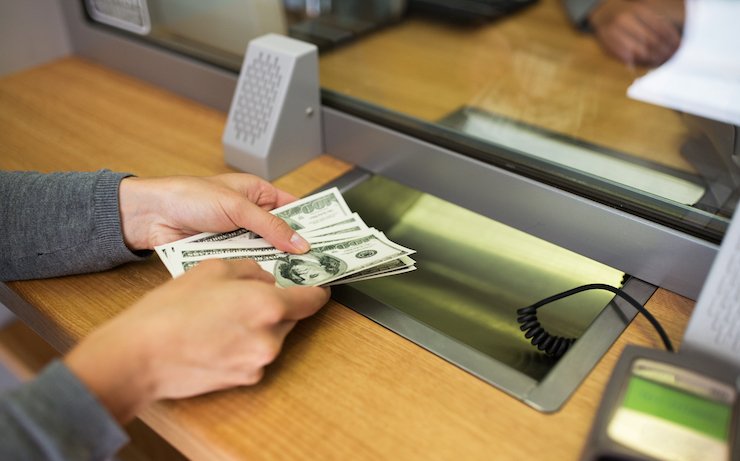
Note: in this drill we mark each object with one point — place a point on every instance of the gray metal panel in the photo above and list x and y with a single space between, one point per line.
648 251
31 34
193 79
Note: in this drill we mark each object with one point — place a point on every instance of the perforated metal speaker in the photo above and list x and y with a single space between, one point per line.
274 122
130 15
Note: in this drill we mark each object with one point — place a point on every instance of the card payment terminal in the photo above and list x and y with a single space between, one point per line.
660 405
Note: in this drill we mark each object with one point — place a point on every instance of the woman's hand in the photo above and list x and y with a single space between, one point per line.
215 327
155 211
645 32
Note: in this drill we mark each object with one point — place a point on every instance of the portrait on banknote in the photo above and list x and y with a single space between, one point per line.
307 269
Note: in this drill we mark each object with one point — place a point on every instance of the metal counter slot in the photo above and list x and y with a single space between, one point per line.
622 168
473 273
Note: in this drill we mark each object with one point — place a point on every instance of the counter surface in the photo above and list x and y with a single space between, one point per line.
344 387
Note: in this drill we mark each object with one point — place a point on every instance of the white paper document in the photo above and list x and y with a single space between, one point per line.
714 327
703 76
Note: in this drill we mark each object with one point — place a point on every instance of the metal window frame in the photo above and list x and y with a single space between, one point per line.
658 254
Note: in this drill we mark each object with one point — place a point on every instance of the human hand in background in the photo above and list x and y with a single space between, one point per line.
155 211
215 327
644 32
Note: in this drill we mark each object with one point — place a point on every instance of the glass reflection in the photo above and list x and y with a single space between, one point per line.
534 82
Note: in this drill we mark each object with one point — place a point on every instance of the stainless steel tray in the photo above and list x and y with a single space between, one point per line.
473 273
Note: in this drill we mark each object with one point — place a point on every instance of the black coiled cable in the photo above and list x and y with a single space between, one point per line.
557 346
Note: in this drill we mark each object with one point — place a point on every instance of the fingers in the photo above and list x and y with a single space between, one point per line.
255 189
249 269
622 45
273 229
284 198
303 302
661 33
260 351
675 10
634 43
240 200
280 304
664 29
217 326
635 32
265 351
236 269
248 208
265 344
282 329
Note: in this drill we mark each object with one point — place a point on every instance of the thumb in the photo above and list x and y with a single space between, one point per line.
303 302
270 227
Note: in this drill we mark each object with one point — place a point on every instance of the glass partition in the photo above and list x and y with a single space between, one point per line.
518 86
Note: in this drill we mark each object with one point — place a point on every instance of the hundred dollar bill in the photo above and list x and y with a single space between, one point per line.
168 249
258 246
335 226
354 224
338 223
393 267
314 210
325 262
321 219
323 209
352 279
224 250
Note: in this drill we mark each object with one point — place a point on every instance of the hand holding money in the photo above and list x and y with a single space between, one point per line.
216 327
343 248
159 210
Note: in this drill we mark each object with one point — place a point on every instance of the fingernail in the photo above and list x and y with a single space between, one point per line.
299 243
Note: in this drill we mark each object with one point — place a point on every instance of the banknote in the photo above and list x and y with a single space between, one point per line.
324 262
167 250
189 255
186 256
323 209
394 267
343 248
311 211
352 224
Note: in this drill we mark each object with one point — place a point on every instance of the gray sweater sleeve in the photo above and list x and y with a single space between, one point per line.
60 224
52 225
54 417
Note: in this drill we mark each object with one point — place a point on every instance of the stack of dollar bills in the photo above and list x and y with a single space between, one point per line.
343 248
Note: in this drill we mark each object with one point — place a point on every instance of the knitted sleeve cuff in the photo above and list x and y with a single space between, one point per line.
56 417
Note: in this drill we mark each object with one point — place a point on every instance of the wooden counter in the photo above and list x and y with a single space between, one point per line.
344 387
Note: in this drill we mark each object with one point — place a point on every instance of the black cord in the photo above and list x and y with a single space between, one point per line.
557 346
